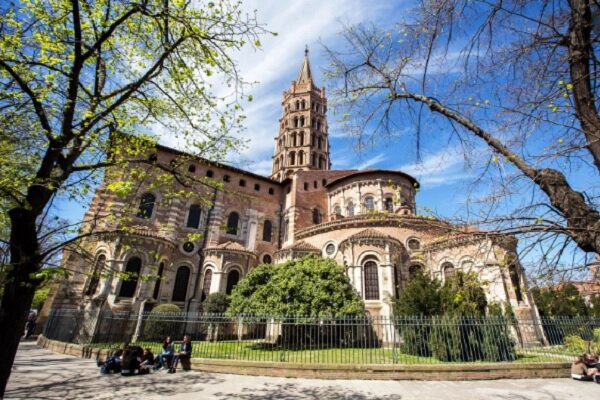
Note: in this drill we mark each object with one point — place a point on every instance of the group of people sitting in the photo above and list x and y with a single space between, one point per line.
133 360
586 368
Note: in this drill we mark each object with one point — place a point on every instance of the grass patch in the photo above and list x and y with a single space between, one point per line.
260 351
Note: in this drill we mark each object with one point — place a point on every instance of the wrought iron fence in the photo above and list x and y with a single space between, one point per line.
378 340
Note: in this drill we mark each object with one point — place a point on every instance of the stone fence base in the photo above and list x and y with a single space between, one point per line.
429 372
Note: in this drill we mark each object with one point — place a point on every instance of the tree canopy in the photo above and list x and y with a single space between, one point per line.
461 295
562 301
512 84
89 85
310 286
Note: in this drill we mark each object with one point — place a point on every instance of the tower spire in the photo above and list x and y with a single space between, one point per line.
302 143
305 75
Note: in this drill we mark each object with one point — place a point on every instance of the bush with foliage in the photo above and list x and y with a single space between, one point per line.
158 325
40 296
594 309
563 301
302 292
216 303
558 306
578 345
451 323
310 286
419 300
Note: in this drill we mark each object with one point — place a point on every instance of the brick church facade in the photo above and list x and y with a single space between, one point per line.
364 219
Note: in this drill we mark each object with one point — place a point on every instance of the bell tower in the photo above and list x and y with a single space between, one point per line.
302 143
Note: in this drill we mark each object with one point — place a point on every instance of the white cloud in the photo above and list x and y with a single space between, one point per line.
372 161
445 167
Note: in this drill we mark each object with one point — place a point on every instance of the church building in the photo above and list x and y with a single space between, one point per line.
366 220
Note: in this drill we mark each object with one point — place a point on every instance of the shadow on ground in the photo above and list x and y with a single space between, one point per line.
293 392
49 378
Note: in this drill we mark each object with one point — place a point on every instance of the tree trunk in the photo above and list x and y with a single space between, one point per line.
19 289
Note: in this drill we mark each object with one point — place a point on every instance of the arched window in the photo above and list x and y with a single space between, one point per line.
193 220
294 139
161 270
267 228
267 259
303 104
369 204
448 270
276 165
132 269
95 278
181 283
350 209
233 278
300 157
321 163
389 204
301 137
314 159
146 206
316 216
232 223
206 284
313 140
337 210
371 281
318 125
413 270
297 104
301 121
292 158
295 122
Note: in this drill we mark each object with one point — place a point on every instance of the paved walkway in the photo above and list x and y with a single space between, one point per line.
41 374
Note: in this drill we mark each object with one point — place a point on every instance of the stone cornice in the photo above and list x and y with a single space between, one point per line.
377 220
228 248
143 231
507 242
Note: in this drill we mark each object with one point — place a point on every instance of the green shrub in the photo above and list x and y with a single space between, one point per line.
158 325
310 286
576 344
448 322
216 303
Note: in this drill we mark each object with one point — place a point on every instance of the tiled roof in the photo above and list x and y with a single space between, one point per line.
303 246
305 75
369 234
231 246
